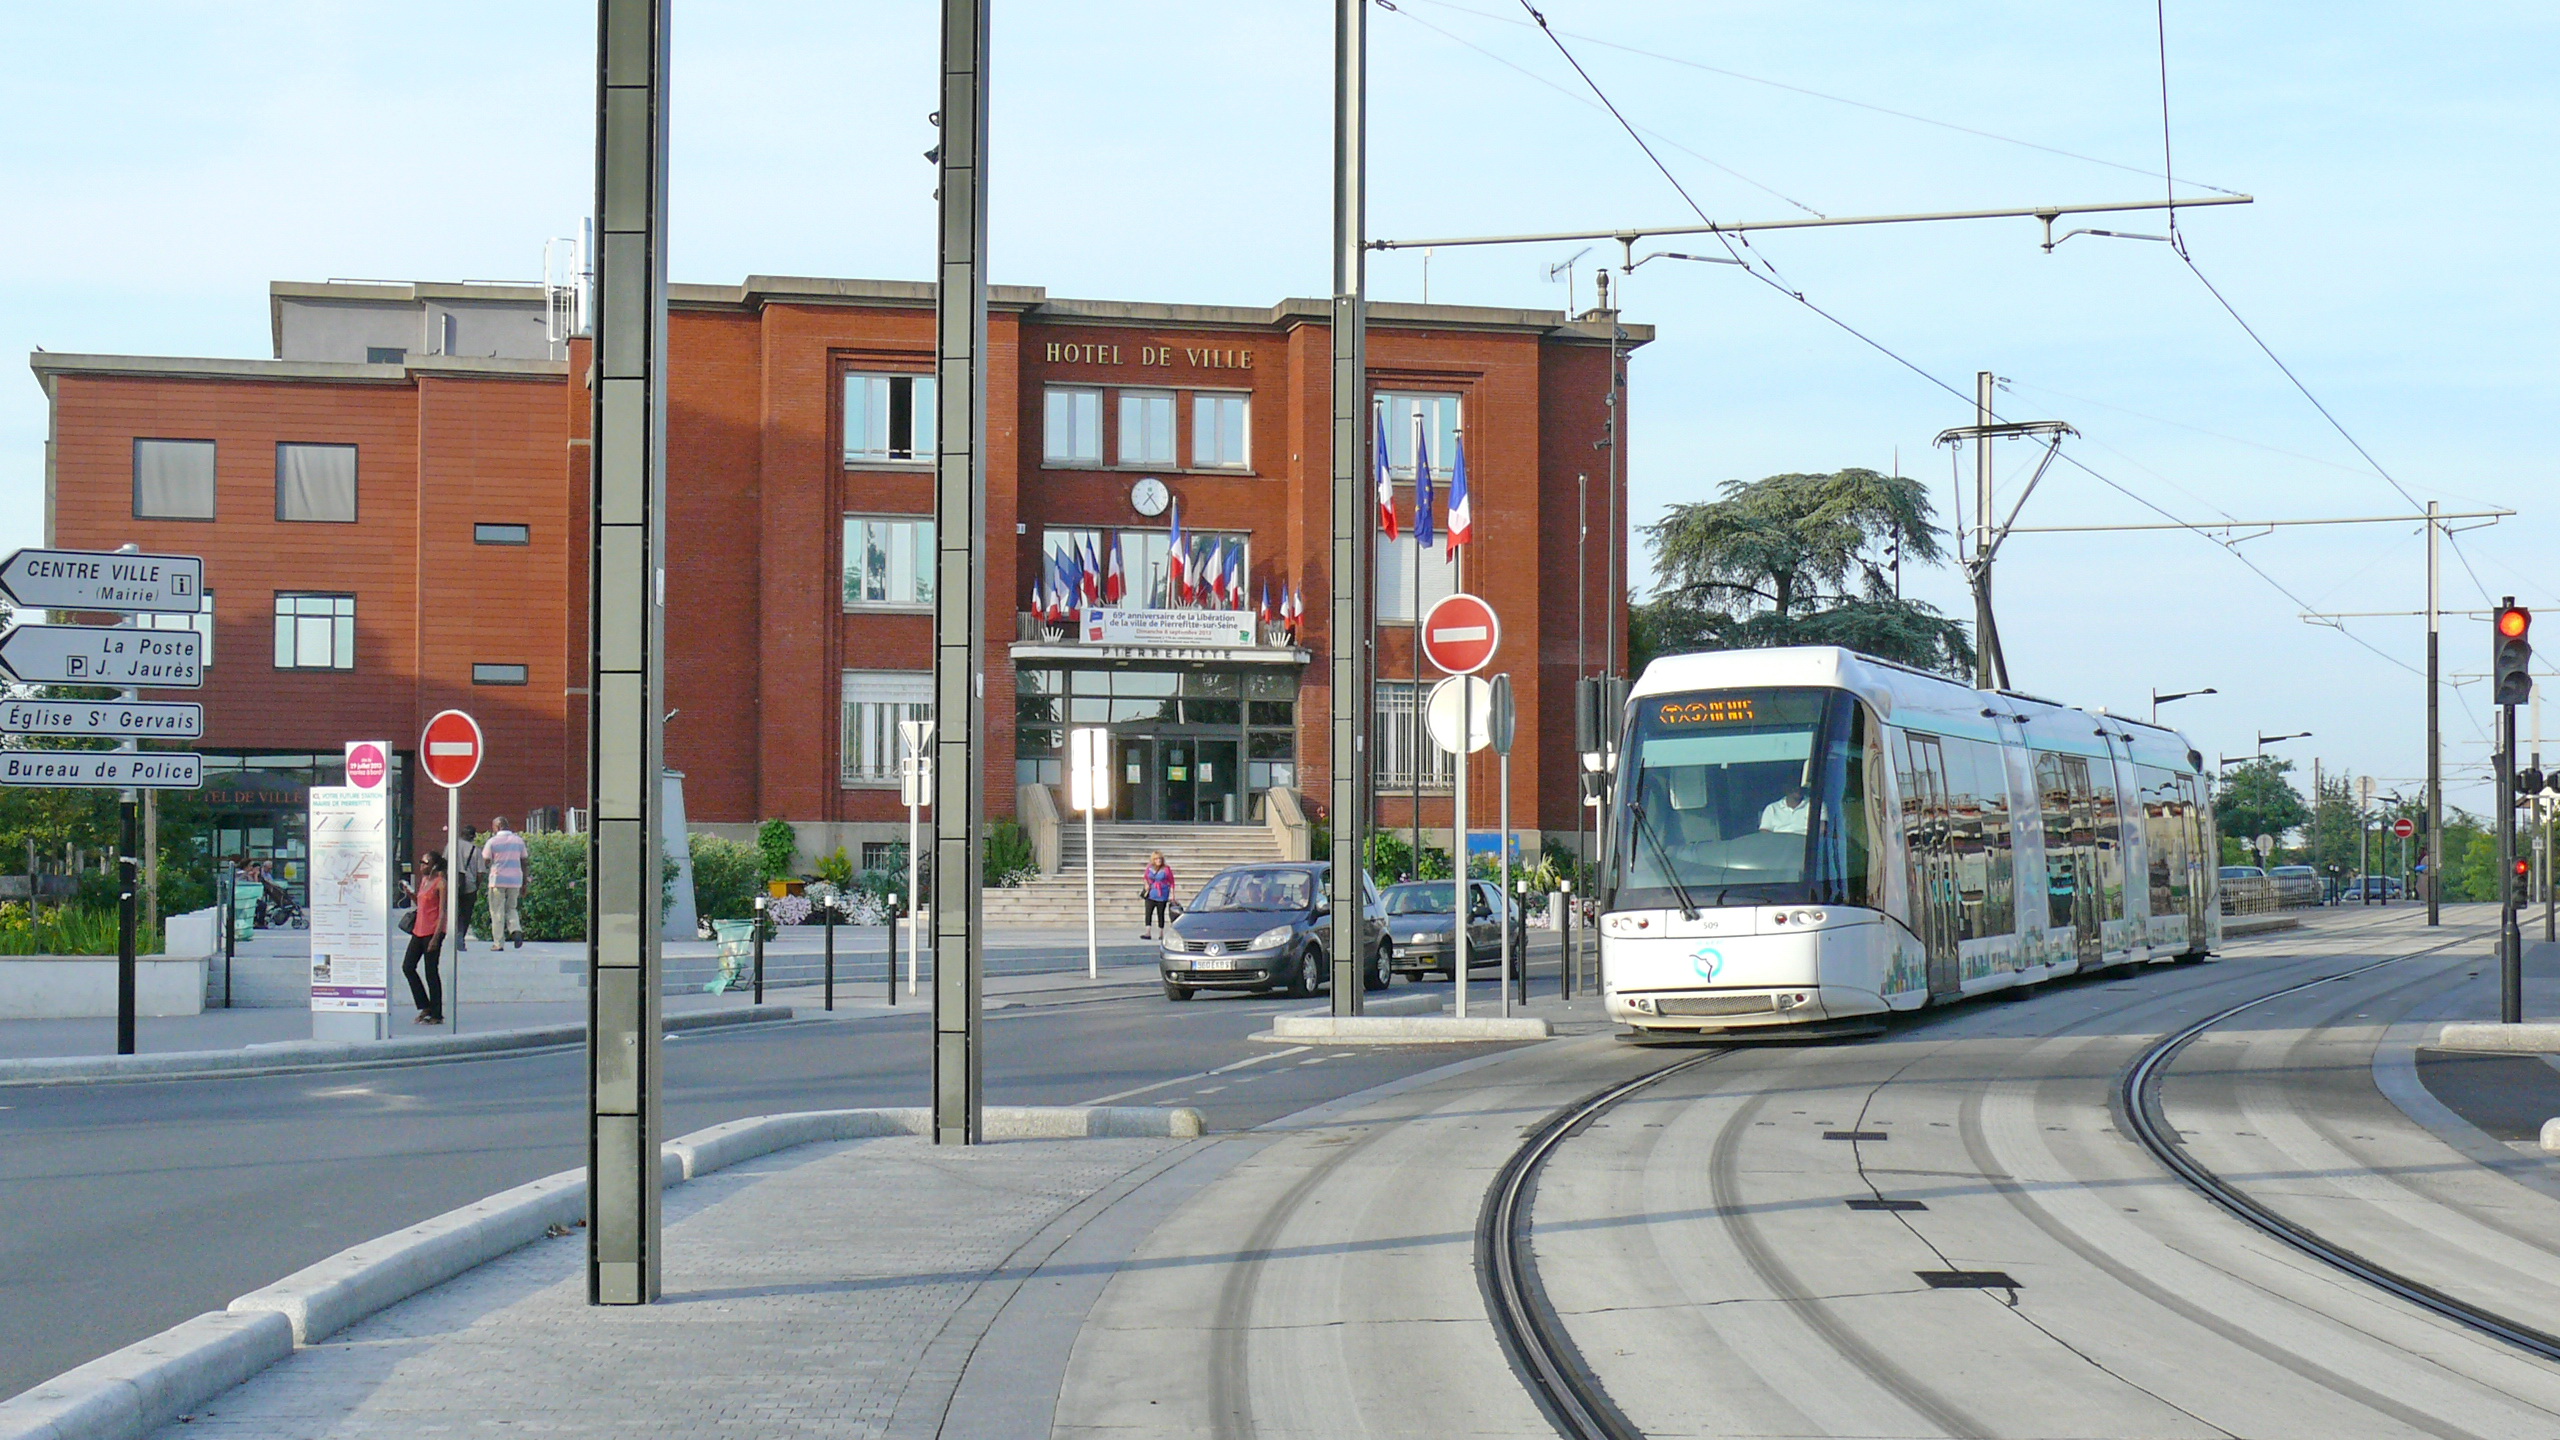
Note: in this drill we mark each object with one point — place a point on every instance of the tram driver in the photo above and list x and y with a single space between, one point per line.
1788 814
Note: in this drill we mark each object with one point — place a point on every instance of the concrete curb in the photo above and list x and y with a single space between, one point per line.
2533 1037
1402 1029
2240 926
293 1055
136 1390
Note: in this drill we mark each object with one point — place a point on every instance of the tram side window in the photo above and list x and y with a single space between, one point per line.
1964 837
2053 798
2159 834
2109 834
2000 895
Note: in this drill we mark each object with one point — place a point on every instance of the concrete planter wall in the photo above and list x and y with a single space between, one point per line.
83 987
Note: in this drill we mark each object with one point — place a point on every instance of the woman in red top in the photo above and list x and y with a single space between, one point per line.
426 939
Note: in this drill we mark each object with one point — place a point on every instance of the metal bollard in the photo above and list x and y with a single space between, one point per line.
830 923
1564 957
891 914
759 944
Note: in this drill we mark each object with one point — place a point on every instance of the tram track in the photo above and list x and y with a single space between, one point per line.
1532 1334
2139 1097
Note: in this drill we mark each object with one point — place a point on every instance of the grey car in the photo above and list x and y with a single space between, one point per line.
1423 931
1266 927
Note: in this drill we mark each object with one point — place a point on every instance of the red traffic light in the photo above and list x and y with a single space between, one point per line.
2524 867
2513 621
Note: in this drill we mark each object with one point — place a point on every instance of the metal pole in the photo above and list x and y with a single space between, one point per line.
1458 833
914 867
1986 673
1348 619
2435 741
627 654
2510 939
1413 720
756 939
454 919
892 975
960 602
229 877
1609 609
1581 641
1092 940
1502 842
830 925
1564 957
125 919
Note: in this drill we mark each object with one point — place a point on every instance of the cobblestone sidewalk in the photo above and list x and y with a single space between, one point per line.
832 1290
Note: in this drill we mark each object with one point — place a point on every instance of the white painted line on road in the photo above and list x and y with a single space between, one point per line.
1200 1075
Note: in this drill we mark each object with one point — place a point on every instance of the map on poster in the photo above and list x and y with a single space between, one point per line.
350 898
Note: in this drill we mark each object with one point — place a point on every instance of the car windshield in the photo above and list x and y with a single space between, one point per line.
1423 899
1256 890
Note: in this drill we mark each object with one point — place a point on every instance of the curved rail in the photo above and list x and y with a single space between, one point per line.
2141 1095
1531 1334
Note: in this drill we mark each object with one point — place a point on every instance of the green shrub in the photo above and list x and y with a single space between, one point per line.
777 846
724 878
836 868
74 929
1008 855
555 890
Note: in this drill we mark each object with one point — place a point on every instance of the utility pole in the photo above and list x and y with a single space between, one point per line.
2435 742
960 601
626 642
1349 623
1990 665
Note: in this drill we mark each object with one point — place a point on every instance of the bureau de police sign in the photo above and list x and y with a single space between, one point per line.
102 769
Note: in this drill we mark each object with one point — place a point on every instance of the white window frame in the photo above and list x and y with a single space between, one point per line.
200 622
918 546
1392 575
1141 455
1213 447
315 619
1392 740
871 705
1075 444
1445 413
870 404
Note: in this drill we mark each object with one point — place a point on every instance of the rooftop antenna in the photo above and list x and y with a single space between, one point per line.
565 274
1563 270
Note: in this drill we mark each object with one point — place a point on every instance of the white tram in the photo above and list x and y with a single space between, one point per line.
1810 836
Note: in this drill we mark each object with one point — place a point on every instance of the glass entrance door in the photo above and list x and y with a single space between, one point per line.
1214 796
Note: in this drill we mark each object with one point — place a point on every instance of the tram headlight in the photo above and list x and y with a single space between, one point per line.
1791 999
1803 917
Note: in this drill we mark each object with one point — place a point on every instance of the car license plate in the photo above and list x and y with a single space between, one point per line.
1220 964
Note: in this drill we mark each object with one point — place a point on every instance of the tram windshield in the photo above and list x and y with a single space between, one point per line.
1742 797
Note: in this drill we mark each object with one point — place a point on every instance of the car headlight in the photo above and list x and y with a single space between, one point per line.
1172 943
1273 938
1429 937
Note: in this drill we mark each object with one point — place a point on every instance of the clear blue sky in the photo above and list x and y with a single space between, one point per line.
168 160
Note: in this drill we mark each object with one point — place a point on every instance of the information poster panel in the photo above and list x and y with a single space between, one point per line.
350 898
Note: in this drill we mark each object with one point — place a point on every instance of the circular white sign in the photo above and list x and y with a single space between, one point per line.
1440 713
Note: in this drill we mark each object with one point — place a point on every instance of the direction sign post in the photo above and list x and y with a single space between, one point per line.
98 655
125 582
135 719
451 754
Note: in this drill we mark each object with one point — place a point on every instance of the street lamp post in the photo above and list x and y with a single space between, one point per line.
2158 699
2265 740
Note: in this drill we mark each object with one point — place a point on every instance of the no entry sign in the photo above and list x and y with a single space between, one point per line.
452 749
1460 634
2404 827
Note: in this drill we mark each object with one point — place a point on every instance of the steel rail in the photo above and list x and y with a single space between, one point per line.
1532 1335
2151 1127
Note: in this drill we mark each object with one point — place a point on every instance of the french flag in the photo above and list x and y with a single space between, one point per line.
1178 561
1092 563
1216 586
1386 483
1115 584
1262 613
1462 516
1235 576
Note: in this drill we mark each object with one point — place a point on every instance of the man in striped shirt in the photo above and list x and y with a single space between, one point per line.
503 852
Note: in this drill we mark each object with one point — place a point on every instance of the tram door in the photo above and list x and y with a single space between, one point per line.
1934 897
2086 937
2198 893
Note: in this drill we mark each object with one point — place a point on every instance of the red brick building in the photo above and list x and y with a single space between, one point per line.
392 515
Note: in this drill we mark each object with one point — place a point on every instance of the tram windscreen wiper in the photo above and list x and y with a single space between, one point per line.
1662 853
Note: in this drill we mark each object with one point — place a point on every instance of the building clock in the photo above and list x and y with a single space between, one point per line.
1149 497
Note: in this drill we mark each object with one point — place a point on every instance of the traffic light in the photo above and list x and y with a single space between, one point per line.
2511 654
2529 783
2524 868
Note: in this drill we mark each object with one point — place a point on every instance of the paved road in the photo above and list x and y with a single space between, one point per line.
133 1206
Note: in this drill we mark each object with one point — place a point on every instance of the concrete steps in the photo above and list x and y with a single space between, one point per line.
1120 853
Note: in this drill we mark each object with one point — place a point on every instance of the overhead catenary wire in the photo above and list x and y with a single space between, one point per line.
1919 119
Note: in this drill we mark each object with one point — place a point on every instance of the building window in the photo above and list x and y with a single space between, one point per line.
1439 414
488 534
1395 743
1146 566
874 702
1402 563
879 854
385 355
486 674
888 418
887 561
172 479
1072 431
200 622
1146 427
1221 431
315 632
316 482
